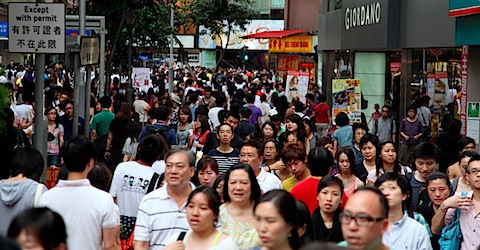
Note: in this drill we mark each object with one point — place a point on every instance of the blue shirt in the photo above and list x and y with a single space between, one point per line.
407 233
343 136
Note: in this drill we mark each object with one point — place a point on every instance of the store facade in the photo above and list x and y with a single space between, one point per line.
395 48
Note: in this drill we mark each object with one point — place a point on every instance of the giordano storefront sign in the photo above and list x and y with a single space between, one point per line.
363 15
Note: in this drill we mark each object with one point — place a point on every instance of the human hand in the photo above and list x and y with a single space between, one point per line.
457 202
107 155
278 165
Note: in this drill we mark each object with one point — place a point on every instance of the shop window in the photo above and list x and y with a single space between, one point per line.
334 5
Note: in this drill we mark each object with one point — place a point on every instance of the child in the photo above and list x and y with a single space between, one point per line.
376 114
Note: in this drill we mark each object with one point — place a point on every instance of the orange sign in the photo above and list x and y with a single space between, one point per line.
293 44
286 63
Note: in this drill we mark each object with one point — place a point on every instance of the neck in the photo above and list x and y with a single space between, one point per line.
256 170
105 109
395 215
162 121
19 177
247 204
327 217
388 167
476 196
224 147
143 163
51 122
73 176
271 161
281 246
304 175
370 162
179 190
435 207
202 235
69 118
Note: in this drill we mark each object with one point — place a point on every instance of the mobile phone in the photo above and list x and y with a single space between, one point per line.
468 194
181 236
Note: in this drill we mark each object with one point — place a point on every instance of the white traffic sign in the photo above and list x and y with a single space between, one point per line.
36 28
89 50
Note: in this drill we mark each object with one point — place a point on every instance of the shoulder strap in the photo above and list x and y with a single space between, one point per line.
454 185
375 123
38 194
152 184
409 175
215 241
423 118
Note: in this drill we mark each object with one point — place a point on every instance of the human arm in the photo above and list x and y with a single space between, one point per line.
109 144
278 165
329 116
440 217
93 133
111 238
140 245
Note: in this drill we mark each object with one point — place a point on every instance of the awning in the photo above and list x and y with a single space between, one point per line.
274 34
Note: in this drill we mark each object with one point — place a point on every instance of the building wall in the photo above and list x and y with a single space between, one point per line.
302 14
425 23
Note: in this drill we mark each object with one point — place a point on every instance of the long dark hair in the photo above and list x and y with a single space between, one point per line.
203 123
301 132
397 168
287 208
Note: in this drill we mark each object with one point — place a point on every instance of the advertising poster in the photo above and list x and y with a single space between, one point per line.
438 89
473 110
141 79
297 85
346 95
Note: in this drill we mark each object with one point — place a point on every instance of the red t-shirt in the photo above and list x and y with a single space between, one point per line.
306 191
321 113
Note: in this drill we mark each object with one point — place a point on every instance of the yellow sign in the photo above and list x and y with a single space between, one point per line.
293 44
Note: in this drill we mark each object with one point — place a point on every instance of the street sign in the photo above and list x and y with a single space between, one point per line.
89 50
36 28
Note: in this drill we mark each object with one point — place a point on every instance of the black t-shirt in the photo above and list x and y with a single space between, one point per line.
426 210
361 172
117 126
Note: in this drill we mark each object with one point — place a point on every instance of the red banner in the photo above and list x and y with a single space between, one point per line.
464 99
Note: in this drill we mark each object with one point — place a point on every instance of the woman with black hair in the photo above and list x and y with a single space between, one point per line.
304 226
39 228
296 128
404 232
387 162
368 146
274 222
55 137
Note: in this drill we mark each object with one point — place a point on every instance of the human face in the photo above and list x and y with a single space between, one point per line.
208 94
385 112
393 193
291 139
272 229
197 123
469 146
232 121
464 164
207 176
28 241
220 189
225 134
307 128
199 214
344 164
359 133
296 167
239 186
425 166
98 107
369 151
69 110
438 191
473 175
183 117
62 97
291 126
267 132
364 203
329 199
329 146
270 151
177 169
250 156
277 125
388 153
52 115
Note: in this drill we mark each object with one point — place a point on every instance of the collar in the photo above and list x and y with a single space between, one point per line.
164 193
74 183
262 175
401 222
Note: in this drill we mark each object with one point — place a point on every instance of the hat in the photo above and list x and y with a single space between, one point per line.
273 112
177 99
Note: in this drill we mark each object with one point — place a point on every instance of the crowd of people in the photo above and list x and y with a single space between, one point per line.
227 162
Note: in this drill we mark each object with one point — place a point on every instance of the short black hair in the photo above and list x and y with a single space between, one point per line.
465 154
150 148
310 96
425 150
77 153
404 185
463 142
29 162
256 144
319 161
245 113
161 113
438 175
250 98
322 97
342 119
382 199
213 198
474 158
368 138
232 114
328 181
106 102
357 125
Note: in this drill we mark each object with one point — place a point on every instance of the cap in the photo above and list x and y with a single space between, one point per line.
177 99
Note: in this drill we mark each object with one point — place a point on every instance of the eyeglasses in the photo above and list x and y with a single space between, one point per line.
385 111
473 171
362 220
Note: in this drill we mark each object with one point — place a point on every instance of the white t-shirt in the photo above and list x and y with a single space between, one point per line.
159 218
24 111
141 107
268 181
129 184
213 116
159 167
86 211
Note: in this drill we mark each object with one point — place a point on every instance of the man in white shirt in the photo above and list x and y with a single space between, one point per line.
88 212
162 213
252 154
213 113
133 179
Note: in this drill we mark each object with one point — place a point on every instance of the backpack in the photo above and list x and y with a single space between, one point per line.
162 130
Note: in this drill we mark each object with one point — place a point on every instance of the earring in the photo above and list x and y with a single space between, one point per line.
289 235
215 222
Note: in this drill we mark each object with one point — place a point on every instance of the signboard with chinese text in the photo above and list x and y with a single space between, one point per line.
293 44
347 97
464 89
287 62
36 28
89 50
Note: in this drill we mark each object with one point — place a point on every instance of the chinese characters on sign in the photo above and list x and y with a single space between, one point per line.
464 89
293 44
286 63
36 28
89 50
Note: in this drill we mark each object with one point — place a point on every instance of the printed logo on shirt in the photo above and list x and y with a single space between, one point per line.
135 184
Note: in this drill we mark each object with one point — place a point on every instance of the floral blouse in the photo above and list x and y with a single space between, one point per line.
243 234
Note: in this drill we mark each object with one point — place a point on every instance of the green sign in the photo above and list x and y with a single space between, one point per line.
463 7
473 110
